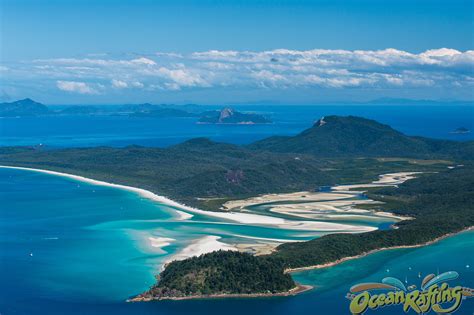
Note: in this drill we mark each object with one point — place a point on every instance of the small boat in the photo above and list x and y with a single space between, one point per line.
350 296
419 274
31 254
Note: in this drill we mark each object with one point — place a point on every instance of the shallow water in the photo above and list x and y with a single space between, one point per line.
73 239
89 252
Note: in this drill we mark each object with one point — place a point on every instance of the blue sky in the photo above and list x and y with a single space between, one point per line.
214 52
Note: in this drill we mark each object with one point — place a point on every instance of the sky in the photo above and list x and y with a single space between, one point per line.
235 52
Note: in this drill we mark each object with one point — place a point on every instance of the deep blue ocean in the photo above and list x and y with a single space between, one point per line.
68 247
84 131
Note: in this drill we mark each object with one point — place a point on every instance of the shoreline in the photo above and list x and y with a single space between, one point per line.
200 246
239 217
339 261
140 191
185 215
300 288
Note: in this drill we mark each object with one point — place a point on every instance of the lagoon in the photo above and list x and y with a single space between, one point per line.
76 248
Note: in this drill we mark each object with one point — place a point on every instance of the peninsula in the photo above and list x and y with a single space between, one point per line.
211 176
441 205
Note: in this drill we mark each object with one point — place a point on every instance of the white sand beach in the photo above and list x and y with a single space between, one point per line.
326 227
310 205
183 215
257 249
204 245
305 196
390 179
232 216
325 205
244 218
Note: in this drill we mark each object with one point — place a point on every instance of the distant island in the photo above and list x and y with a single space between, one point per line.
335 150
230 116
461 130
30 108
21 108
205 174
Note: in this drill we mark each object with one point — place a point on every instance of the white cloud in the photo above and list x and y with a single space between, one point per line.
183 77
119 84
272 69
144 61
442 52
137 84
164 54
76 87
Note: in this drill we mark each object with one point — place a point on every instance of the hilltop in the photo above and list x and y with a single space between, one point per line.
20 108
205 174
338 136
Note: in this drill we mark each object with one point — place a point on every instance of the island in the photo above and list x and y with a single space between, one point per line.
28 107
433 192
461 130
230 116
21 108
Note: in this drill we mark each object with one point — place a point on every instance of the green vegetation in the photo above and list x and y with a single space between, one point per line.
340 150
221 273
198 168
336 136
205 174
199 172
441 203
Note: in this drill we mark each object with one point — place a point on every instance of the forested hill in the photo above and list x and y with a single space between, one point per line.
337 136
25 107
340 150
441 203
205 174
187 172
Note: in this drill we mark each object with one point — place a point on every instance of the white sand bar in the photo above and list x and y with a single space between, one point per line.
244 218
390 179
204 245
159 242
305 196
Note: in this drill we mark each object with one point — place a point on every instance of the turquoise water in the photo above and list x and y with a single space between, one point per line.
68 247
